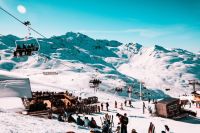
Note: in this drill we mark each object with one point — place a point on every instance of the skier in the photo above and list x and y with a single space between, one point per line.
107 105
101 106
143 107
149 100
121 106
98 108
151 128
105 127
115 104
125 103
130 104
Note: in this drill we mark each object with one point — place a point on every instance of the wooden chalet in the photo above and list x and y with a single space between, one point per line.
168 108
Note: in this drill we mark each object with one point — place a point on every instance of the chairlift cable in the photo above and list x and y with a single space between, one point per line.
26 25
21 21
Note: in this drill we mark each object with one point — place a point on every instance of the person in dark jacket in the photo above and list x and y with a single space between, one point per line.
105 127
130 104
71 119
101 106
115 104
79 121
107 105
125 102
123 121
60 118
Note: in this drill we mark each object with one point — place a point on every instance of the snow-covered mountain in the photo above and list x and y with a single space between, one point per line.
158 67
78 58
162 68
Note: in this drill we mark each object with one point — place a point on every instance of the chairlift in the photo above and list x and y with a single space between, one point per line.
28 45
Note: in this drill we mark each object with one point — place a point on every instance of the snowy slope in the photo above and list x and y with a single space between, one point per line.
161 68
12 122
158 67
77 58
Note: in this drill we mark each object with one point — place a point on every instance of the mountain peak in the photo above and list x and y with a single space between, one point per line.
137 45
160 48
72 34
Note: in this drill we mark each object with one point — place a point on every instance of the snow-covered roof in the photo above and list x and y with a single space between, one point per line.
15 88
168 100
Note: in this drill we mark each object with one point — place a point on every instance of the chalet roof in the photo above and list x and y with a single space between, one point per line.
168 100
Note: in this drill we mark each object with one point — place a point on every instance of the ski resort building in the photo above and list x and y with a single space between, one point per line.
168 107
196 98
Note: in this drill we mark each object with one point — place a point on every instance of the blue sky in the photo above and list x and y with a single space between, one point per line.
170 23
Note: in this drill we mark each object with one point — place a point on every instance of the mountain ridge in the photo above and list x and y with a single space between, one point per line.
109 57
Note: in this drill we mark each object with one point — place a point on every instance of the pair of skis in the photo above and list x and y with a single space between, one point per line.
111 123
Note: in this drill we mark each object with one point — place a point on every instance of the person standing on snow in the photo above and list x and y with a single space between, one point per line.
130 104
123 121
115 104
101 106
125 103
143 107
121 106
151 128
107 105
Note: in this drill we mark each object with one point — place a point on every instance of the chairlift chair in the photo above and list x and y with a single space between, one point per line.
26 47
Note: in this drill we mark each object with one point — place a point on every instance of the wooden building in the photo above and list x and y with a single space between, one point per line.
168 108
196 99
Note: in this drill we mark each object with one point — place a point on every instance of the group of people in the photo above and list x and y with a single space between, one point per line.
31 47
123 121
25 50
102 105
118 89
125 103
79 121
107 121
129 102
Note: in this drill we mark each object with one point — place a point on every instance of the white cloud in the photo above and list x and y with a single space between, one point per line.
151 32
142 32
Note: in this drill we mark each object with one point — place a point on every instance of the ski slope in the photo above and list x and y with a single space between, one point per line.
13 122
77 59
